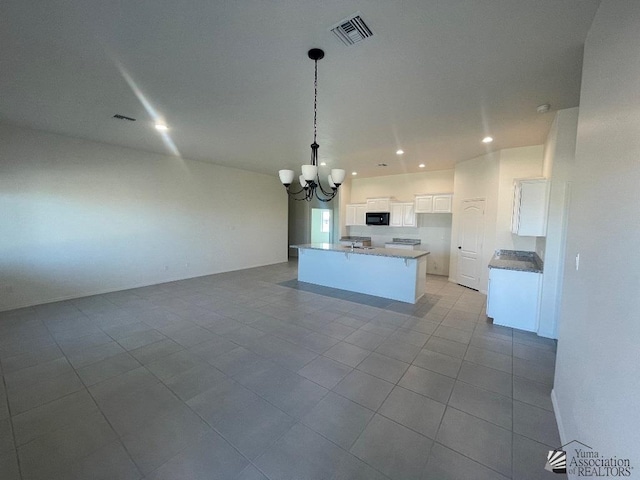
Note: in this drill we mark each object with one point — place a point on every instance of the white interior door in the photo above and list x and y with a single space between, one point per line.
470 243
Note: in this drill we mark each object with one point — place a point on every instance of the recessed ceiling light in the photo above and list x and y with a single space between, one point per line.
161 127
421 165
487 140
399 152
322 164
354 173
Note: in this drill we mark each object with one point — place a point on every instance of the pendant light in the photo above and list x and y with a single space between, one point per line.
310 178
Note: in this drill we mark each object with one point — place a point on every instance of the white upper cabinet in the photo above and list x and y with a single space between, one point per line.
395 219
356 214
530 205
440 203
408 215
424 203
382 204
402 215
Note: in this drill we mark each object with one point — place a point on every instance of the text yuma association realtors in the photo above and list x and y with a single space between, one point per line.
588 463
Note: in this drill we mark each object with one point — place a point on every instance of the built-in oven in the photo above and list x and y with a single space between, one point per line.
377 218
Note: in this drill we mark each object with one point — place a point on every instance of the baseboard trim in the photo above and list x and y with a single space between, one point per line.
76 296
556 412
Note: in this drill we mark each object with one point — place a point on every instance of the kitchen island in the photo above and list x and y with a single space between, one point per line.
383 272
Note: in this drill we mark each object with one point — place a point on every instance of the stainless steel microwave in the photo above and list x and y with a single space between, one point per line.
377 218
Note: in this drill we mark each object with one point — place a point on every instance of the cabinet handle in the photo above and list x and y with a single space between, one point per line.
459 248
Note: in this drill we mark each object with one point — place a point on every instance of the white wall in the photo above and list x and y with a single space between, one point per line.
558 163
401 187
79 217
597 381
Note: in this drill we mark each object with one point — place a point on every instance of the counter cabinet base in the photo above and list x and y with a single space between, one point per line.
402 279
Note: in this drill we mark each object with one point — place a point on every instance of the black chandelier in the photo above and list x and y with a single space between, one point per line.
310 179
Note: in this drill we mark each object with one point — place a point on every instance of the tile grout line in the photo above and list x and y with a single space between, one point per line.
13 431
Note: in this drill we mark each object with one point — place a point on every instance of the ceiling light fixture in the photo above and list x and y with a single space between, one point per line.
310 179
487 140
422 165
161 127
354 173
399 151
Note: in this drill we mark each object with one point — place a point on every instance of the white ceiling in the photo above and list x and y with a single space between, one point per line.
233 81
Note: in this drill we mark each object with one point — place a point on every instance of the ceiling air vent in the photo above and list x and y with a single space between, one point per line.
352 30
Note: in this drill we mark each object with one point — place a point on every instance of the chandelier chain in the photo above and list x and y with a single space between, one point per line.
315 103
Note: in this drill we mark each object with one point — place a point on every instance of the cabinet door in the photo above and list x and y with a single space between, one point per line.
396 217
424 204
361 215
350 215
383 205
408 215
513 299
442 203
378 205
531 199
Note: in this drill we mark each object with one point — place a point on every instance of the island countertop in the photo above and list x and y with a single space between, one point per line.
378 252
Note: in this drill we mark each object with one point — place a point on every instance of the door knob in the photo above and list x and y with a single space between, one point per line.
459 248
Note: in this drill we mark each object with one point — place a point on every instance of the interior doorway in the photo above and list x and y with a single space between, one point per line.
470 242
321 223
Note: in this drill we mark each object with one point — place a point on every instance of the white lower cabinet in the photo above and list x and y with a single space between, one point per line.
513 298
402 215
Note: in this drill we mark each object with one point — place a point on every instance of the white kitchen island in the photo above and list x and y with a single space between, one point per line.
383 272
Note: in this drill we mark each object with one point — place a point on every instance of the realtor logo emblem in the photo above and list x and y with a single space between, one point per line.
556 461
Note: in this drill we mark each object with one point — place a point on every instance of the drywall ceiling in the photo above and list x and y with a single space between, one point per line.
233 81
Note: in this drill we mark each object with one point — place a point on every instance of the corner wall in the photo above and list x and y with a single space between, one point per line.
79 217
558 164
597 380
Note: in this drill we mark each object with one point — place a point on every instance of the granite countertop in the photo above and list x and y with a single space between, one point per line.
378 252
403 241
354 239
517 260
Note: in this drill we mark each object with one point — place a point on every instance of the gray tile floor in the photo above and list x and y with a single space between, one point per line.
251 375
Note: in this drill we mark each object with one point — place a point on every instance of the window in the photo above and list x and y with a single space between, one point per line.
326 220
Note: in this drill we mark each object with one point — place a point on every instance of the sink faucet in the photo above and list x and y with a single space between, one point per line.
353 245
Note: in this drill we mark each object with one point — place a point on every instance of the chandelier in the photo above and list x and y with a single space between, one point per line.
310 178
